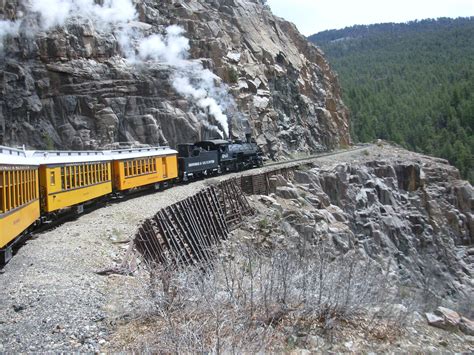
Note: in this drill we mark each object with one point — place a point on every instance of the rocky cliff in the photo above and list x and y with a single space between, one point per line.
409 212
67 85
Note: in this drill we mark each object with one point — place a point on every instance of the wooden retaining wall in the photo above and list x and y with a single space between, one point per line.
189 231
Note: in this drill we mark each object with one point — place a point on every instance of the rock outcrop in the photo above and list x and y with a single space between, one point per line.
408 212
70 88
448 319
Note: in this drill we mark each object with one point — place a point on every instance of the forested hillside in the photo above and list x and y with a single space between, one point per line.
410 83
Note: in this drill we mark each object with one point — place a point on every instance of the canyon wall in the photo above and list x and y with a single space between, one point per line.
69 86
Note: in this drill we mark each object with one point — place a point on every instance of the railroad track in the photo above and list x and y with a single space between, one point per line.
187 232
258 184
316 156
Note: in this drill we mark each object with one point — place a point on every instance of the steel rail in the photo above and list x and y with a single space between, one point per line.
101 202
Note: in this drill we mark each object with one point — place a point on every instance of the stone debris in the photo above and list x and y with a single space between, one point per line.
287 192
467 326
437 321
448 319
234 56
451 318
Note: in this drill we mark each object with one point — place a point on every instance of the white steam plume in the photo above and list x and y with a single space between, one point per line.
52 13
8 28
202 99
58 12
172 49
190 79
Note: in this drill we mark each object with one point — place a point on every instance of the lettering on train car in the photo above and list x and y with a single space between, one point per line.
199 163
14 168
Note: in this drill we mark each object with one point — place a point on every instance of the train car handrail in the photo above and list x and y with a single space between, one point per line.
50 157
14 156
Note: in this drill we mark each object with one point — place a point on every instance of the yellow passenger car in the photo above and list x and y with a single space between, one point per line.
68 179
19 197
144 166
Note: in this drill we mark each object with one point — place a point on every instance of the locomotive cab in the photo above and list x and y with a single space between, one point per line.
188 150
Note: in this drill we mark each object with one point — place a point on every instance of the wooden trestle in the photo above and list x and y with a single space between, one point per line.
190 231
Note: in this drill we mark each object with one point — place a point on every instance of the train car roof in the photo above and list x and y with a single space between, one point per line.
51 157
12 156
70 157
141 152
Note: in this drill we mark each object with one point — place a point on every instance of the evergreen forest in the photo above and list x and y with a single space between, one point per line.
410 83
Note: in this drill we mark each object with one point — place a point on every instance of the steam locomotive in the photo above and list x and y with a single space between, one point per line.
34 185
217 156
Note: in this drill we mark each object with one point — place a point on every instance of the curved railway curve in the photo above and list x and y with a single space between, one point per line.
54 219
51 299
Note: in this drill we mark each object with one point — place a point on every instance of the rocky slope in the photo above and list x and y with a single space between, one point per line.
407 216
410 213
401 213
70 87
361 254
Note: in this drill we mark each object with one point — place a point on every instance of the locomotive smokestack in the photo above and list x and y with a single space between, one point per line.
248 137
231 133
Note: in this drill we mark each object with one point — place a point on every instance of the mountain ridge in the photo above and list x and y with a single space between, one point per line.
409 83
395 27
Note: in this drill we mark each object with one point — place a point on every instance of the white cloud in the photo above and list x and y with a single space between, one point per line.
312 16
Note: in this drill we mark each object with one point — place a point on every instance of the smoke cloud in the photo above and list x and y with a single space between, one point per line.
8 28
190 78
109 17
58 12
172 49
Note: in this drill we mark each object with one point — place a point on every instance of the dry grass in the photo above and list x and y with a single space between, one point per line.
253 300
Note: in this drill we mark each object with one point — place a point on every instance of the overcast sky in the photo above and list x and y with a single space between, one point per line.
312 16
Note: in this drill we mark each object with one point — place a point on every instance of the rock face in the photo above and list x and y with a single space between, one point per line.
409 213
70 88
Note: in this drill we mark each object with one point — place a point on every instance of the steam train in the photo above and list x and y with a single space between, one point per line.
34 185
